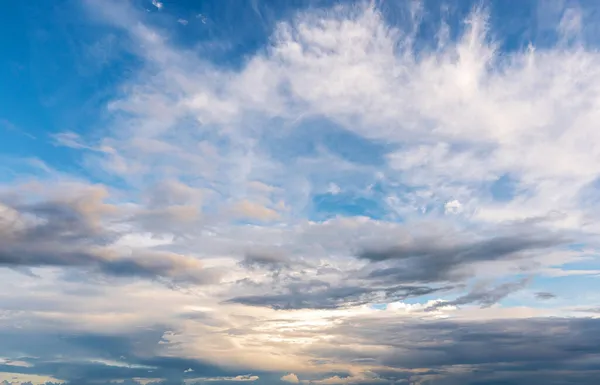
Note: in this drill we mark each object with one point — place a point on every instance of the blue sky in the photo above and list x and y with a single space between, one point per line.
305 192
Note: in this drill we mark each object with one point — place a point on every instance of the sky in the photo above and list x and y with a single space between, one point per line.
299 192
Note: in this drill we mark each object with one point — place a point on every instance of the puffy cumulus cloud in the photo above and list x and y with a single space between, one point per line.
286 216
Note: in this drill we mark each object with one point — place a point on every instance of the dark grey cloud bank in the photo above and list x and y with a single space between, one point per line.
434 259
512 352
556 351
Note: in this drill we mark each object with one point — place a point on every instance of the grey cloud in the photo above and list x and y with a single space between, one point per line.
589 310
173 193
556 351
162 265
507 351
179 220
267 259
85 358
431 260
171 207
71 232
544 295
424 263
485 296
327 297
53 232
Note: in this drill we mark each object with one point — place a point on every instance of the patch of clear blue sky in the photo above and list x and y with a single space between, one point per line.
59 69
346 204
567 293
57 72
504 188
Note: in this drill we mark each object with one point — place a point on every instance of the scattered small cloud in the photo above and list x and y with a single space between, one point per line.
544 295
202 18
8 125
453 207
158 4
334 189
291 377
69 139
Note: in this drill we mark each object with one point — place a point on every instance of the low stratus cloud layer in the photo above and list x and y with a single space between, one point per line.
369 197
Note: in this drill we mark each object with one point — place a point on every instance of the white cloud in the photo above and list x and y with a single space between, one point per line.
157 4
452 207
202 18
334 189
291 377
70 139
